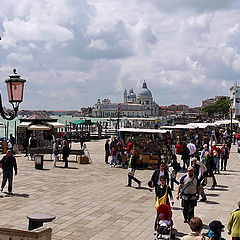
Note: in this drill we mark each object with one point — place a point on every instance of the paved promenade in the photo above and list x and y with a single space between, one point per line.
92 202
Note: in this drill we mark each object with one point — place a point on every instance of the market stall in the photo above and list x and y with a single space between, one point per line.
151 145
43 128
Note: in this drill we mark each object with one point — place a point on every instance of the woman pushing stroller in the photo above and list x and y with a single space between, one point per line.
163 222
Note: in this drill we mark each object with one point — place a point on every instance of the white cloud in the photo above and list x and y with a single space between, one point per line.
98 44
86 49
21 58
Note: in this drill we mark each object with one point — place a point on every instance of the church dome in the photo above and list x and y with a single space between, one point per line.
145 92
131 94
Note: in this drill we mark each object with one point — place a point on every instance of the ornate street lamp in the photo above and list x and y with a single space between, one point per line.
15 87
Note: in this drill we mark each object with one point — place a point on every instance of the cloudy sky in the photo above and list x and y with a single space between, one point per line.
72 52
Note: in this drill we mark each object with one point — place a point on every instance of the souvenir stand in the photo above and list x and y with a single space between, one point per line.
43 128
200 133
149 144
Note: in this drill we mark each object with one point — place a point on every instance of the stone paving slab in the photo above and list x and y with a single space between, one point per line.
91 201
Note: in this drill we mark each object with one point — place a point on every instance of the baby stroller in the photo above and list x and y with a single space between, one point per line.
164 223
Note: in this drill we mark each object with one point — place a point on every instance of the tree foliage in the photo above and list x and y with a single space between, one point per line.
221 107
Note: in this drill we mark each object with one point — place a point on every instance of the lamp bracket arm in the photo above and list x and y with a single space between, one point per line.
10 115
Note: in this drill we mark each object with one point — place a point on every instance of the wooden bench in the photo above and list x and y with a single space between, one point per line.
77 152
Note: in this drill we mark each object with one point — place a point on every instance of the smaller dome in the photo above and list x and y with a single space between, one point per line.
131 94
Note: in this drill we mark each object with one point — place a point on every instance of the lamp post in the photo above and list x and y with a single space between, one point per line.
231 117
118 115
15 86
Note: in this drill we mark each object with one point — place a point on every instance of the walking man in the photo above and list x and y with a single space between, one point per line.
55 152
107 151
216 153
234 224
224 157
198 173
8 162
190 189
192 148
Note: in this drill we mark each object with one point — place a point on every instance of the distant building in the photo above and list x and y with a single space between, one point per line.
235 100
141 105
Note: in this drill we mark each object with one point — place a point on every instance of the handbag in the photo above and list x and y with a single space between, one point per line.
131 171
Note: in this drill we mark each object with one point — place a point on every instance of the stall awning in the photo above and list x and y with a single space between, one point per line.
225 122
24 124
56 124
39 127
201 125
178 127
143 130
83 122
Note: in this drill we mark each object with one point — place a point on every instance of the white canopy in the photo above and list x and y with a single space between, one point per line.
179 126
201 125
47 126
225 122
24 124
39 127
143 130
56 124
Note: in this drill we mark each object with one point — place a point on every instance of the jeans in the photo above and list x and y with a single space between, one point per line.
56 158
7 175
216 161
223 163
113 160
187 162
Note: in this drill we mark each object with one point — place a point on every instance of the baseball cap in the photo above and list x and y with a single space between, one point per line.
190 168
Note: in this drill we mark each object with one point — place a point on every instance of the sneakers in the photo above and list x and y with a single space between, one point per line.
110 165
203 199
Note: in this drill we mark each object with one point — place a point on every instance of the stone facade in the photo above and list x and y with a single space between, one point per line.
141 105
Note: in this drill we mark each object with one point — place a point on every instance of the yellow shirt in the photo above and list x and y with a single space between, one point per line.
234 224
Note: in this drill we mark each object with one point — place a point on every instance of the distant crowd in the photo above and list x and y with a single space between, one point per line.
202 159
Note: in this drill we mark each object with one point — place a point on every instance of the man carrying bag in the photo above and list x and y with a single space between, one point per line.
190 189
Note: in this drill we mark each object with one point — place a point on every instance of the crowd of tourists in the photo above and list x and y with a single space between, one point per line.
202 161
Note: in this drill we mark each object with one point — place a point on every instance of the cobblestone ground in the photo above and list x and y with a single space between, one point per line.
92 202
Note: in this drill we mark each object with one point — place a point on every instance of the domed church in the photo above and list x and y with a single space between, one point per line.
141 105
144 98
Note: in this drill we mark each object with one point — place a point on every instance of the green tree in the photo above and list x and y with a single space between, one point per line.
210 110
221 107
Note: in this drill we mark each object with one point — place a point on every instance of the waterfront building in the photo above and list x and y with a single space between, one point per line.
235 100
140 105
